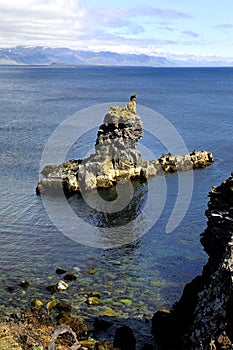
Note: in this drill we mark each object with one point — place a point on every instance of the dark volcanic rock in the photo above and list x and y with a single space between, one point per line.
70 276
124 338
60 271
203 318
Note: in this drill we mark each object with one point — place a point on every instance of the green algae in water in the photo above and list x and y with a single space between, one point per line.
126 301
157 283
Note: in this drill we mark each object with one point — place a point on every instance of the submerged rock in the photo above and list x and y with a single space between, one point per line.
63 307
24 284
51 305
124 338
60 271
116 158
203 318
94 301
37 303
61 285
91 271
70 276
108 312
101 323
94 294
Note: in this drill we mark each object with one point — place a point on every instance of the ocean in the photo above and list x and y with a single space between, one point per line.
136 279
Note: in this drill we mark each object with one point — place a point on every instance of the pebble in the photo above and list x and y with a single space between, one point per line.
24 284
94 301
51 304
94 294
60 271
61 285
70 276
108 312
91 271
126 301
37 303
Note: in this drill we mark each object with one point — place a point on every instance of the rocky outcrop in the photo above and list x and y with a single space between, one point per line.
203 318
36 329
7 340
116 158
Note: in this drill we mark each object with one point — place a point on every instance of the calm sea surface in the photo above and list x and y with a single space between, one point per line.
142 277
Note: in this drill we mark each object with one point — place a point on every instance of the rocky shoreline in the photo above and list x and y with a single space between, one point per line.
203 318
35 329
52 323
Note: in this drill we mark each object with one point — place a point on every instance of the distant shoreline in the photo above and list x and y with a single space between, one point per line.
23 65
21 55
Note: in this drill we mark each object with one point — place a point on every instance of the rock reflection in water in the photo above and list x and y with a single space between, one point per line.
111 224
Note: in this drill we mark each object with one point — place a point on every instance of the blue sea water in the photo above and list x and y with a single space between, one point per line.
150 272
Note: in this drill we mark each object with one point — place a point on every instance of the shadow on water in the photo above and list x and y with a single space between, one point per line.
117 217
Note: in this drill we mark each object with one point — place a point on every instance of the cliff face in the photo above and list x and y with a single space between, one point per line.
116 158
213 315
203 318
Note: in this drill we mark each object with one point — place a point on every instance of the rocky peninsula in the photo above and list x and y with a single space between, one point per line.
116 158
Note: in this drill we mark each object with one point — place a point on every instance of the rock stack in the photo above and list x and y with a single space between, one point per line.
203 318
116 158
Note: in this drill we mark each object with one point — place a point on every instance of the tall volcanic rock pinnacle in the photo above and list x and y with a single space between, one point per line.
116 157
203 318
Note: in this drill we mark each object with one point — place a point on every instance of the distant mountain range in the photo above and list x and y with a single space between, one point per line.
39 55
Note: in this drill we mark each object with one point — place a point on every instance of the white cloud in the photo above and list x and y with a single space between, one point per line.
71 22
78 25
30 20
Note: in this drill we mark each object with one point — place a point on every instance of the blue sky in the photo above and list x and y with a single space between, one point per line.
171 28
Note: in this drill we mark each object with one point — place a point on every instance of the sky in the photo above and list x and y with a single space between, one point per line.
171 28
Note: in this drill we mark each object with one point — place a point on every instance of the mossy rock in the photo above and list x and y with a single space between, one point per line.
37 303
94 301
126 301
91 271
94 294
51 305
108 312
